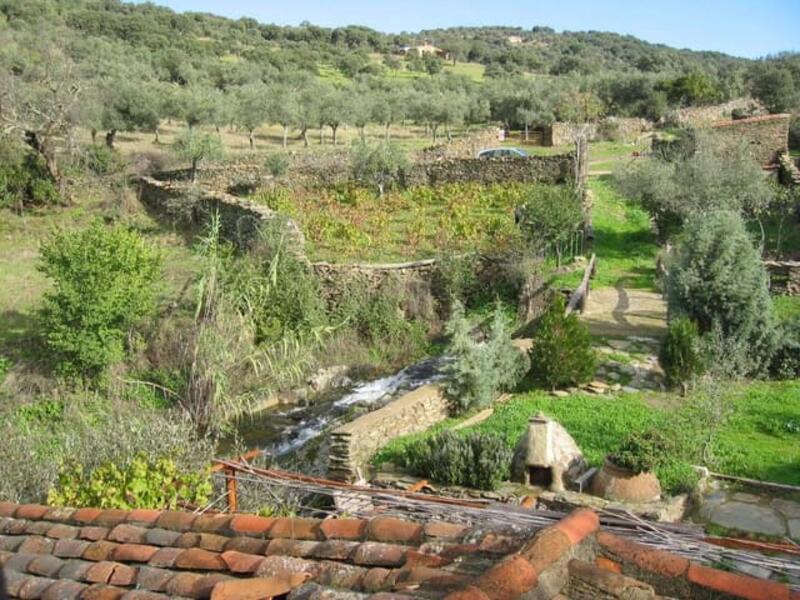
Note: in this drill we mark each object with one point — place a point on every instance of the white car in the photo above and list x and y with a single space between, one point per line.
502 153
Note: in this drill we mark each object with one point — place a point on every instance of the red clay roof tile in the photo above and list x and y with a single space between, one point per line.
138 553
374 579
100 572
256 588
60 531
86 515
36 544
143 516
334 549
239 562
15 527
247 545
468 593
190 539
19 562
7 509
102 592
375 554
444 531
183 584
415 558
161 537
212 541
10 543
339 575
93 533
74 569
165 558
198 559
128 534
38 527
251 525
111 517
387 529
212 523
176 520
435 578
34 587
31 511
64 590
546 548
295 528
607 564
344 529
46 565
508 579
657 561
123 575
59 514
151 578
287 547
100 550
738 586
579 524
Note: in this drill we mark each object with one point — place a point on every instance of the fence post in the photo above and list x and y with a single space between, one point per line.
230 486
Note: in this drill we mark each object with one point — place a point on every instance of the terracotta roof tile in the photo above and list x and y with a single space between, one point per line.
161 537
7 509
239 562
137 553
86 515
128 534
100 572
165 558
15 527
190 539
295 528
93 533
60 531
71 548
374 579
509 579
36 544
375 554
334 550
151 578
100 550
344 529
60 514
46 565
251 525
736 585
184 584
31 511
38 527
144 595
247 545
256 588
434 578
214 542
284 566
579 524
546 548
176 520
111 517
74 569
123 575
102 592
34 587
443 530
387 529
468 593
212 523
339 575
10 543
64 590
287 547
143 516
656 561
198 559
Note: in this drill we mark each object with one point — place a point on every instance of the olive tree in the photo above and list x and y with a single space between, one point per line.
377 165
196 146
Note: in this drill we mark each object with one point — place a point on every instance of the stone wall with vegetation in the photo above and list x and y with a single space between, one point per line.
559 168
619 129
465 147
703 116
354 444
784 277
766 136
193 205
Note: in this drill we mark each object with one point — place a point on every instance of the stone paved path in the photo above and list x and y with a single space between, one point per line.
621 312
752 513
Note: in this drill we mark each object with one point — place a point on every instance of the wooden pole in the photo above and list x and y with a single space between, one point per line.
230 486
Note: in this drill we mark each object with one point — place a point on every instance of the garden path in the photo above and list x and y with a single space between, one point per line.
621 312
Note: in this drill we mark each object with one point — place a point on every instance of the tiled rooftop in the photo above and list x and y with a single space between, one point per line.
62 554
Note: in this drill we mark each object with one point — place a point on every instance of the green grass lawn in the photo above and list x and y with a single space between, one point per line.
761 439
626 247
787 308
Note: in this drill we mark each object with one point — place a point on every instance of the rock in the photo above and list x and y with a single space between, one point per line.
327 378
787 508
619 344
613 376
560 393
597 385
749 498
630 390
794 529
748 517
616 387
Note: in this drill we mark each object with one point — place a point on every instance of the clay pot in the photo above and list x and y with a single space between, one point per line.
623 485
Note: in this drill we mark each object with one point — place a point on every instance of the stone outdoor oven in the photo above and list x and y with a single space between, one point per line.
547 456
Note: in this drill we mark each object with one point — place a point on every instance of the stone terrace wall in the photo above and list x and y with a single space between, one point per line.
353 444
784 276
240 219
466 147
564 134
550 169
703 116
767 136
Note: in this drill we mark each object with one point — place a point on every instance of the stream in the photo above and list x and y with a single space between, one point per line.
293 437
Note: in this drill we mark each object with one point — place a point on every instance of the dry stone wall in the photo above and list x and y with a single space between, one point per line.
549 169
704 116
240 219
354 444
624 129
466 147
767 137
784 277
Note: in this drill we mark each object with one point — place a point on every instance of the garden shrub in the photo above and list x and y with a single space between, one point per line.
456 277
377 165
24 179
476 460
794 133
680 355
785 362
644 451
277 163
561 354
480 370
143 483
104 282
716 278
550 216
102 160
